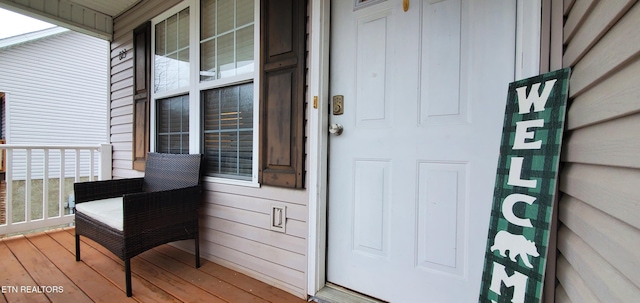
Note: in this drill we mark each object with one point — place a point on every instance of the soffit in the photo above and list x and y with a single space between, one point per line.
93 17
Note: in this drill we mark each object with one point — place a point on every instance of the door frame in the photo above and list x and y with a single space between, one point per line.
527 48
318 121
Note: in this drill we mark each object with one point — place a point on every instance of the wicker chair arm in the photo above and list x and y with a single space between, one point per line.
154 210
96 190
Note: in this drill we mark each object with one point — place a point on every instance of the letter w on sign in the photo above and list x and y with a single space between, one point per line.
524 192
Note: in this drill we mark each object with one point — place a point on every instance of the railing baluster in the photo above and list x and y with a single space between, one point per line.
62 178
9 194
91 166
27 189
77 174
45 184
106 158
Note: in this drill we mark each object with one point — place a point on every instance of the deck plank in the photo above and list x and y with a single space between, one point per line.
97 287
163 274
175 286
44 273
143 291
14 275
178 287
244 282
200 278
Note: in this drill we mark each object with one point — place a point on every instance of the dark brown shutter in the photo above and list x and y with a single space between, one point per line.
141 94
282 73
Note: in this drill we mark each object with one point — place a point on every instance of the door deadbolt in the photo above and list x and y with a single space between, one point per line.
338 105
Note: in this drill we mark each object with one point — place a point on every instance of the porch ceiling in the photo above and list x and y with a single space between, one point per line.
92 17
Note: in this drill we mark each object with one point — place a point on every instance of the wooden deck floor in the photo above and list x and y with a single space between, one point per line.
42 268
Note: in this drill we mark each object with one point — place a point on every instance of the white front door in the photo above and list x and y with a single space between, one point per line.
411 177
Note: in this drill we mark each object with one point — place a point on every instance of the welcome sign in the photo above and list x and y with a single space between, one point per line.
516 254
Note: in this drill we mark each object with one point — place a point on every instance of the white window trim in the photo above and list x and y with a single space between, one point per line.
196 87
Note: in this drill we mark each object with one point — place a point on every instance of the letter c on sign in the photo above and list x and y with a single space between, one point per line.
507 209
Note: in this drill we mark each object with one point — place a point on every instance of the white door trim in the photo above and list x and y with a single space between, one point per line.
528 29
318 139
527 49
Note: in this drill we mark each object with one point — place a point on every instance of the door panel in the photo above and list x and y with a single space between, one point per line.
411 177
440 219
371 207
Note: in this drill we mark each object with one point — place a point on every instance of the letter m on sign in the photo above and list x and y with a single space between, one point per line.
518 281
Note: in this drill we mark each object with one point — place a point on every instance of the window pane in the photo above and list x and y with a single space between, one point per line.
244 50
228 131
246 107
183 29
245 153
211 109
228 153
172 34
172 125
229 108
226 66
171 60
208 60
162 143
244 12
164 111
172 71
207 19
183 67
161 38
211 152
225 16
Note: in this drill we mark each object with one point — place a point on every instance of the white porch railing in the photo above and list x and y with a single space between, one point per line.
39 182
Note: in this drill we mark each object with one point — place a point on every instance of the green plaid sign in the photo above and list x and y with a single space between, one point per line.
516 254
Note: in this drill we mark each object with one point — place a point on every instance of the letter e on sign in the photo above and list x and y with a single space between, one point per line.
523 134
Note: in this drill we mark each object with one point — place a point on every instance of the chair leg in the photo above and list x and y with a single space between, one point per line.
77 247
127 273
197 251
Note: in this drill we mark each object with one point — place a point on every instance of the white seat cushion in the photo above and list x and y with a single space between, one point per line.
107 211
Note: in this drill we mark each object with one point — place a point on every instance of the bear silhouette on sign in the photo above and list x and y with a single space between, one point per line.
517 245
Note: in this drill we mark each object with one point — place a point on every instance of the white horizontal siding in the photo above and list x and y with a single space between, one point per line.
606 282
608 236
56 90
234 219
235 230
599 212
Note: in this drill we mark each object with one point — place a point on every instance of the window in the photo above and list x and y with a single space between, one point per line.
221 91
171 76
205 85
227 52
